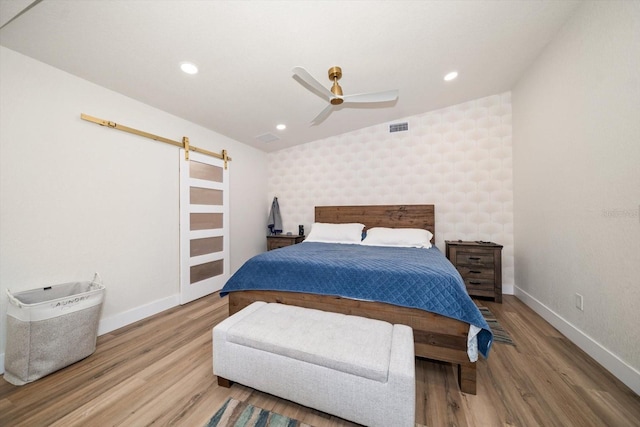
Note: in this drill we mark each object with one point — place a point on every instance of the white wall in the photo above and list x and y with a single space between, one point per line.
458 158
76 197
577 184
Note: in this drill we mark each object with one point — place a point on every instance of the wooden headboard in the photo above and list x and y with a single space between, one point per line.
393 216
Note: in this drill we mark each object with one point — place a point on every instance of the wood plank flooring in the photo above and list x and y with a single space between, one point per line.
159 372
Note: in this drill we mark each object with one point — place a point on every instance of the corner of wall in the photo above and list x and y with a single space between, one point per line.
612 363
575 157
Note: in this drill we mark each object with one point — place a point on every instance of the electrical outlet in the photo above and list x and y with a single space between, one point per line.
579 304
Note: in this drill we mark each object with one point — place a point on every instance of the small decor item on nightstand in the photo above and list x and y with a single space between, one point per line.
480 265
301 230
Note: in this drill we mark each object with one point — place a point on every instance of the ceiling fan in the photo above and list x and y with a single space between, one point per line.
335 95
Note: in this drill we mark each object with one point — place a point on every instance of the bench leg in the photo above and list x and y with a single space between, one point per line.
223 382
467 377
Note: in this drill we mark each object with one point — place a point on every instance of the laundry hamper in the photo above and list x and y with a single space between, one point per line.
50 328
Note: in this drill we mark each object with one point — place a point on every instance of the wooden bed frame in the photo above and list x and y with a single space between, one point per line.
436 337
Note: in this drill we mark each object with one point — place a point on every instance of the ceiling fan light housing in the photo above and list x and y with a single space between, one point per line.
335 74
337 91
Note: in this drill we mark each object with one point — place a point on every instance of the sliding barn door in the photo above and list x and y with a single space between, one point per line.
204 226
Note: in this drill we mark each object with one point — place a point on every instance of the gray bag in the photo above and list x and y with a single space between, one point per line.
51 328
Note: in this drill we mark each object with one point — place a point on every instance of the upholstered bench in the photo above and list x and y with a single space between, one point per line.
358 369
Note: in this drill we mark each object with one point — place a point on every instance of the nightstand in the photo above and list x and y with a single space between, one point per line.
280 240
480 265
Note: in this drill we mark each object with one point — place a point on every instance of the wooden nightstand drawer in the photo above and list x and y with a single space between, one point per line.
480 265
477 258
280 243
479 284
282 240
476 272
481 288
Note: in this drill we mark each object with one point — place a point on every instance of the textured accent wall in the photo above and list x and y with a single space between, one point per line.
458 158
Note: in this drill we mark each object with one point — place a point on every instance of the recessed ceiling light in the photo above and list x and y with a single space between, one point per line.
452 75
281 127
189 68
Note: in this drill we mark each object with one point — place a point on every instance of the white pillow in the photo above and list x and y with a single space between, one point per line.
335 233
401 237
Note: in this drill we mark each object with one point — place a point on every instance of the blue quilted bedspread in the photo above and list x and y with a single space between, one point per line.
408 277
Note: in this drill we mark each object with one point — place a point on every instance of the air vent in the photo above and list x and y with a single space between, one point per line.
398 127
267 137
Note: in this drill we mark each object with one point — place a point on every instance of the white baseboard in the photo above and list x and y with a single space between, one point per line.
119 320
126 318
612 363
625 373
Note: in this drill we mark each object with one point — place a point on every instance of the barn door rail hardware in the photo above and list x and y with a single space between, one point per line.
182 144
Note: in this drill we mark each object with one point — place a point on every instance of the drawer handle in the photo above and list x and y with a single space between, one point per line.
475 271
475 283
475 258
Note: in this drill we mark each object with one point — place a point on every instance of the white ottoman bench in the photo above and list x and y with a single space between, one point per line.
359 369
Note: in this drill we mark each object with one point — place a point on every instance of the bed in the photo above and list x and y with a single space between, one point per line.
437 336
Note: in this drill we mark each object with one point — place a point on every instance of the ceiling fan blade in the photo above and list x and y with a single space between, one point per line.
314 84
322 116
389 95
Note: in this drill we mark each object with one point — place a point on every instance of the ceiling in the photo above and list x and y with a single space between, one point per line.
245 51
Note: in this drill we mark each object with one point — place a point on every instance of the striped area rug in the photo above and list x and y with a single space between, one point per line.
235 413
499 334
